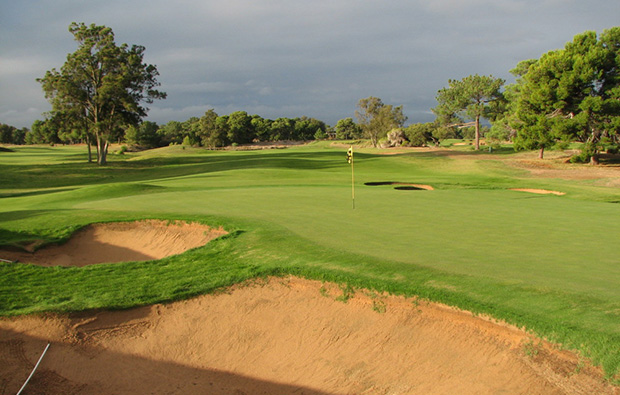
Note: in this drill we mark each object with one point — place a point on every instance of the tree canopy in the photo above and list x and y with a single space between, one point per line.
101 86
572 94
469 98
377 119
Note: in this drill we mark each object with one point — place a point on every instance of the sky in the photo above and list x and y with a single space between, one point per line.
292 58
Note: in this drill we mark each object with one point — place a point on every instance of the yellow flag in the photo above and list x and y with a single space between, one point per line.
350 155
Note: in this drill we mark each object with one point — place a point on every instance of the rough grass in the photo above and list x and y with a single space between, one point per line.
546 263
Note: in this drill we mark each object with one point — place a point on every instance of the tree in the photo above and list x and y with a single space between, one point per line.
42 132
573 94
419 134
171 133
262 127
191 131
347 129
145 135
282 129
240 129
11 135
307 128
377 119
469 98
102 85
210 135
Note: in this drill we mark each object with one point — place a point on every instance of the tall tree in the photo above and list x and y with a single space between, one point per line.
376 118
262 127
307 128
102 84
469 98
146 135
171 133
210 135
240 128
347 129
574 93
11 135
282 129
43 132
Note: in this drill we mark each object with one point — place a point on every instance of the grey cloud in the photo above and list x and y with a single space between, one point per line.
281 58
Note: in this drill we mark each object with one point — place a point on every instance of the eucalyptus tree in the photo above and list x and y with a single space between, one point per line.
101 85
471 98
377 119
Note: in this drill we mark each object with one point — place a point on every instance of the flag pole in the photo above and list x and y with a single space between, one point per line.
352 179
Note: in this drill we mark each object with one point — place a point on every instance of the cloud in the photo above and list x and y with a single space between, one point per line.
279 56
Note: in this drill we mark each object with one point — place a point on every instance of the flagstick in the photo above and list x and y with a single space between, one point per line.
352 180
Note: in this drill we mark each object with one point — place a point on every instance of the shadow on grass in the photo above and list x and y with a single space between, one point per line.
402 186
464 152
22 214
34 193
59 175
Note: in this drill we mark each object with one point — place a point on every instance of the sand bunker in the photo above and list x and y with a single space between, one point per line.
285 336
404 186
120 242
539 191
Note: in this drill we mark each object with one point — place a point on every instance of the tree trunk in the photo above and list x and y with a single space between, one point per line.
90 151
594 159
541 153
102 150
477 133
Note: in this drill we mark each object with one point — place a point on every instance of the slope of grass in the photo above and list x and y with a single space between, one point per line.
547 263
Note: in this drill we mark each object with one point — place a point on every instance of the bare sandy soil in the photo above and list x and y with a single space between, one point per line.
539 191
281 336
120 242
285 336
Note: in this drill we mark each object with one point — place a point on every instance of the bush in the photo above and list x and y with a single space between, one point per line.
583 157
419 134
396 138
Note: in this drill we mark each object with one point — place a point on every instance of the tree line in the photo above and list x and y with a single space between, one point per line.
570 94
215 131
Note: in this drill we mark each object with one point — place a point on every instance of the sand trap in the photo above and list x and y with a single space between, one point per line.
285 336
120 242
402 185
539 191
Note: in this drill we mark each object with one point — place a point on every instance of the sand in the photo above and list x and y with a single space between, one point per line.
285 336
275 336
539 191
120 242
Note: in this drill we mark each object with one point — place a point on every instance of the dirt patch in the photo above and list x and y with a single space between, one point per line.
286 336
539 191
120 242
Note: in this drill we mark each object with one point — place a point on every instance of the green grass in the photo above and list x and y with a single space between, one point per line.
546 263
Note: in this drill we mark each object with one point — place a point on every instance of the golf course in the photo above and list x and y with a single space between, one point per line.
494 240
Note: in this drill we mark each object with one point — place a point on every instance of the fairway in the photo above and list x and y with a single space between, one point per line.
542 262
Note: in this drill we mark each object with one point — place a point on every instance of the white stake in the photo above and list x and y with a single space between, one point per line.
35 368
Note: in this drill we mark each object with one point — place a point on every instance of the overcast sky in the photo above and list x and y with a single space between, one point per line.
289 58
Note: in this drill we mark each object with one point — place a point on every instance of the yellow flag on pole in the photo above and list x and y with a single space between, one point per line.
350 161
